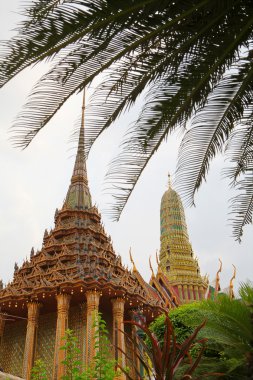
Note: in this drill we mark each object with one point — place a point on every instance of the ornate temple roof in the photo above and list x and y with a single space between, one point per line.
77 255
177 261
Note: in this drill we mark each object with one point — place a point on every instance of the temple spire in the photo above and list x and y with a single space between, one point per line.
78 195
80 163
169 181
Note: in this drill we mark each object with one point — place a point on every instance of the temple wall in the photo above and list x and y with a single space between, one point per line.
46 341
77 326
13 344
12 350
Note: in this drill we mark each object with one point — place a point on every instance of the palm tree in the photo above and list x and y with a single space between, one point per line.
230 324
192 59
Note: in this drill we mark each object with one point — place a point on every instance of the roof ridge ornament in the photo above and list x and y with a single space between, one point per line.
151 268
231 285
157 262
132 261
217 280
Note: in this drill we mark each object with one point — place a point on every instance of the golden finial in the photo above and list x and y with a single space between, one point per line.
132 261
151 268
217 280
169 181
83 109
231 286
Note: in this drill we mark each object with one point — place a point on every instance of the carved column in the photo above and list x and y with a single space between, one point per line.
196 291
83 307
118 327
202 292
2 324
92 298
191 293
133 345
31 335
63 301
180 292
186 297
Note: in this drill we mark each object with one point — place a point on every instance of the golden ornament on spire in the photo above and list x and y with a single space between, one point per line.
169 181
231 286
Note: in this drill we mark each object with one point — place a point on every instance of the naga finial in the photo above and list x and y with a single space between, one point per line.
157 258
231 286
217 280
157 261
132 261
151 268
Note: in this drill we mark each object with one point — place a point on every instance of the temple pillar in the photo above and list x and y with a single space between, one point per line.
2 324
202 292
31 335
186 297
196 291
83 307
92 298
180 292
118 328
191 293
63 301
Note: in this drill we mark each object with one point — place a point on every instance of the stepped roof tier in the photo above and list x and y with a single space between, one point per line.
177 261
162 285
76 256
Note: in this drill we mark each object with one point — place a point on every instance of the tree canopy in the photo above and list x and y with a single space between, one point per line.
192 59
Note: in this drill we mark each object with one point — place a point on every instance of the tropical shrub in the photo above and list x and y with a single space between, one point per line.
162 361
228 328
39 371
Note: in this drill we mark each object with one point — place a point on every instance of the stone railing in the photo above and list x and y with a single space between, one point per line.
8 376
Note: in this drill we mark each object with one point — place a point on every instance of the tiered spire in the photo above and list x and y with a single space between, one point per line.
176 255
78 196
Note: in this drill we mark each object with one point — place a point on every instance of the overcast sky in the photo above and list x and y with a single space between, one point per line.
35 181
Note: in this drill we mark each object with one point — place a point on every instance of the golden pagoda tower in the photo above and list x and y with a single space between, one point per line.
176 255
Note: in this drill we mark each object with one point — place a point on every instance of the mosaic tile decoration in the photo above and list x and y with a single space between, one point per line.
11 359
46 341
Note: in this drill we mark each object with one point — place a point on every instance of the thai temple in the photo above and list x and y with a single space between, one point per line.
77 274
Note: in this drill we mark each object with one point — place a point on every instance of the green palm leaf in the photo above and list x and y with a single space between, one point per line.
194 55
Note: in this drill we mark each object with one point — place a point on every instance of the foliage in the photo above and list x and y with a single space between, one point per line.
102 366
72 363
39 371
165 360
192 59
179 318
229 329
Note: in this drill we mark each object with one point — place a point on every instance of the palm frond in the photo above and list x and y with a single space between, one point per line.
198 51
242 203
228 322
